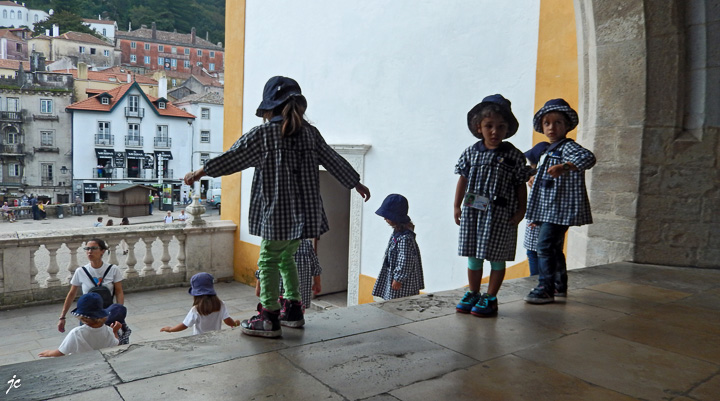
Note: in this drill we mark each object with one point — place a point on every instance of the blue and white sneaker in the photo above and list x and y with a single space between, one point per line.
487 306
467 302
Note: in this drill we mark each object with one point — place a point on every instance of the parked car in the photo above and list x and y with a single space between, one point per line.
214 201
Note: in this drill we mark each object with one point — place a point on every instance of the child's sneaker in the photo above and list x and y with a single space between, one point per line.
467 302
291 314
538 295
265 324
487 306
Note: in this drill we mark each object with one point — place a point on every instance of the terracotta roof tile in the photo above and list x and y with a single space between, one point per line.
14 64
167 37
94 104
83 37
110 75
9 3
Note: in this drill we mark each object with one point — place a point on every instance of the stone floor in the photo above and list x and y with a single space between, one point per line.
626 331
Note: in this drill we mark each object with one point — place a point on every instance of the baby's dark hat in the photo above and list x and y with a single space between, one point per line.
277 91
556 105
505 111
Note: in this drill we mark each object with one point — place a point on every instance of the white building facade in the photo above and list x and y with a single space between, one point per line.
105 28
124 135
207 134
16 15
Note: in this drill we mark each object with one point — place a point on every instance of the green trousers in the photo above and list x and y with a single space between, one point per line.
278 257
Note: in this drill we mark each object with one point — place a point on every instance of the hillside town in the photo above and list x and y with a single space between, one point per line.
81 112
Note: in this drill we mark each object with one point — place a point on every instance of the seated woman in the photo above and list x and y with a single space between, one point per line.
9 214
91 278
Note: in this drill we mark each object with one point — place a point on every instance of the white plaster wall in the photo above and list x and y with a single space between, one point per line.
85 125
399 76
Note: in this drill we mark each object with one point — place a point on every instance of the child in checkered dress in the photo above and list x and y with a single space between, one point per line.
309 272
285 204
558 198
489 201
531 230
401 274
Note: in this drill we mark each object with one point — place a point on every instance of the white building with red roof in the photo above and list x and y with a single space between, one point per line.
104 27
16 15
124 135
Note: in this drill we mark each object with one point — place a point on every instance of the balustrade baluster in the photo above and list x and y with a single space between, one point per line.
2 267
73 263
33 270
112 249
53 267
131 259
180 267
165 259
149 258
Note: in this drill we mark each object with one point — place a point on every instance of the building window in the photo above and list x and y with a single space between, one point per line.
46 106
19 14
162 132
173 63
161 105
161 48
12 137
104 130
173 82
4 13
211 66
46 138
106 53
133 45
212 54
133 103
199 53
104 32
134 132
186 63
187 51
47 174
105 100
13 104
161 60
82 49
133 58
205 136
93 50
14 170
18 47
204 157
147 59
12 14
205 113
147 46
37 18
173 50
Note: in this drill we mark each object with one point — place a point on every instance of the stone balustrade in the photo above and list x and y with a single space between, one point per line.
36 266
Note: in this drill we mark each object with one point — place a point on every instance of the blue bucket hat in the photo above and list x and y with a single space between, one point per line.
201 284
277 91
556 105
394 208
505 111
90 306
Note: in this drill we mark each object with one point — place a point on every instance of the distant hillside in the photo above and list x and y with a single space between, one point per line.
204 15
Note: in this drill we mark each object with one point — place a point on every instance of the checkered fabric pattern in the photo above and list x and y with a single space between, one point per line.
495 174
402 263
308 267
285 199
561 200
531 237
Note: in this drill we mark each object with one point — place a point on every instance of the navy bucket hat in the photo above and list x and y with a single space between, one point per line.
277 91
90 306
556 105
505 111
394 208
202 284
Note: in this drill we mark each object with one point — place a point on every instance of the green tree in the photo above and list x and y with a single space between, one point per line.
67 21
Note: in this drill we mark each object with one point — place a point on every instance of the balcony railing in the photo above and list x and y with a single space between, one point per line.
136 141
13 148
135 112
103 173
14 116
104 140
167 173
157 255
130 172
161 142
45 182
12 180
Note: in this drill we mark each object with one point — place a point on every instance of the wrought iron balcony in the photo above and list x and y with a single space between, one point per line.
104 139
136 141
13 148
135 112
14 116
161 142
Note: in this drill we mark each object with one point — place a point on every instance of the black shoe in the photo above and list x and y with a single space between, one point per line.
265 324
487 306
291 314
539 296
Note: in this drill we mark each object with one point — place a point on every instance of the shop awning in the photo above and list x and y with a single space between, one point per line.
90 187
104 153
135 154
166 154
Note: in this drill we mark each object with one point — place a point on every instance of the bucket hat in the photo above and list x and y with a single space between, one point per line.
201 284
505 111
394 208
556 105
277 91
90 306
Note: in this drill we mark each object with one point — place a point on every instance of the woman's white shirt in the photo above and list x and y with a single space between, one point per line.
81 279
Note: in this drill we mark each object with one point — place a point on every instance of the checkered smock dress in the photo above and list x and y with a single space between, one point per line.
308 267
561 200
494 174
403 264
285 201
531 237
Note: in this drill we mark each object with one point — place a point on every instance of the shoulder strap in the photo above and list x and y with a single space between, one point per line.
92 280
103 279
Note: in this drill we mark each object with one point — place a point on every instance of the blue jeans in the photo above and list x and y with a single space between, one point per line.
533 262
551 260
